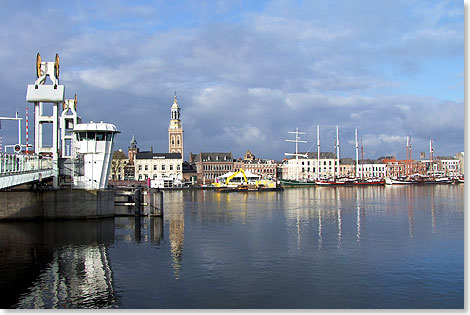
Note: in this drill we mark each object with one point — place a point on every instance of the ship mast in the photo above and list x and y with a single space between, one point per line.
296 154
431 153
357 156
318 151
337 151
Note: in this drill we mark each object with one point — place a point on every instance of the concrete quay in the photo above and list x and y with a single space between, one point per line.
79 204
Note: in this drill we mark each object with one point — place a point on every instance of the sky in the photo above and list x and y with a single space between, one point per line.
247 72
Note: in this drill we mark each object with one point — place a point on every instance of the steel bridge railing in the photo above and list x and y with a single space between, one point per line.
11 164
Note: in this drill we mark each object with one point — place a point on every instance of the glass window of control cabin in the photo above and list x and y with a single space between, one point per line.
81 136
90 135
100 136
109 136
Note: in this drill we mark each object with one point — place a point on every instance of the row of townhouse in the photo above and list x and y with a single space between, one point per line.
203 168
310 167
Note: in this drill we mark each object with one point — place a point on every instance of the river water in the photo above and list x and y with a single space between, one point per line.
319 247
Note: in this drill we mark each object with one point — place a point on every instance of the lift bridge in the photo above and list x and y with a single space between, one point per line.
17 169
91 152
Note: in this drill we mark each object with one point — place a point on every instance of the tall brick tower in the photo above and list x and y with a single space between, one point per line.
175 130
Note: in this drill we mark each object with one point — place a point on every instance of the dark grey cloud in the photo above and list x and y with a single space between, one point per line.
246 76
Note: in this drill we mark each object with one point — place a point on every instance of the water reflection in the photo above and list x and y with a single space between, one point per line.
320 207
69 264
174 212
282 244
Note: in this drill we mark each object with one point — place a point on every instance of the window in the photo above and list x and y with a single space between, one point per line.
140 167
90 135
155 167
100 136
163 167
81 136
146 167
178 167
109 136
171 167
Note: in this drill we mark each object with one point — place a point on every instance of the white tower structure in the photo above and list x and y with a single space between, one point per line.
40 93
95 144
175 130
68 120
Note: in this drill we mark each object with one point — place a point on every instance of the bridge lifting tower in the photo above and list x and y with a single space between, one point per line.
68 120
40 93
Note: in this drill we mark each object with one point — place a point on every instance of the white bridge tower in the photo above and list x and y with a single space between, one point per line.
39 93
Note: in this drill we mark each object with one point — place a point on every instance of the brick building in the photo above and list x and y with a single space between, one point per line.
210 165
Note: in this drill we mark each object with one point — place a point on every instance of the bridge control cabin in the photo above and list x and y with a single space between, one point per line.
94 146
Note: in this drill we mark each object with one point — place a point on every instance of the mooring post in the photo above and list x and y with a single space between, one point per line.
155 202
137 201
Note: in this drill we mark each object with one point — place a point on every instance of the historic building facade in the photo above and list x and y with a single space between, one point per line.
166 168
175 131
310 167
210 165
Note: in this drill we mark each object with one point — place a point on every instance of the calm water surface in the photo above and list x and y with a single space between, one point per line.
324 247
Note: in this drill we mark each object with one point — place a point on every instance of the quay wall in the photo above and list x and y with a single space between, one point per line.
56 204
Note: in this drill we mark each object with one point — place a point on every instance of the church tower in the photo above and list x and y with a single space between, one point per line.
132 150
175 130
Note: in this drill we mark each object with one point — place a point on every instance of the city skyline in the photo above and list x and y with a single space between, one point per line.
247 73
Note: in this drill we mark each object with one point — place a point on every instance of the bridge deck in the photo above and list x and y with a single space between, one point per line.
17 169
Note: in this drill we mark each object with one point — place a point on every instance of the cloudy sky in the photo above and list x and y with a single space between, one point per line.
247 72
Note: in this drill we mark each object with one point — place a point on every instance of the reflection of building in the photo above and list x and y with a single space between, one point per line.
176 218
78 275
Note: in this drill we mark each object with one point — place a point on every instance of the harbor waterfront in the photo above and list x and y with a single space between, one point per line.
312 247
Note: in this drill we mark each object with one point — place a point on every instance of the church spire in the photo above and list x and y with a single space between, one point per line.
133 141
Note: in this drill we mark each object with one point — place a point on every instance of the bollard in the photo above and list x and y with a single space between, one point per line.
155 202
137 201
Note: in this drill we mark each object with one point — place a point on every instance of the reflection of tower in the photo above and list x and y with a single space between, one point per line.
410 211
177 239
175 130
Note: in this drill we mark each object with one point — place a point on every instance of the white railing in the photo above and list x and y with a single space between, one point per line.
11 164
